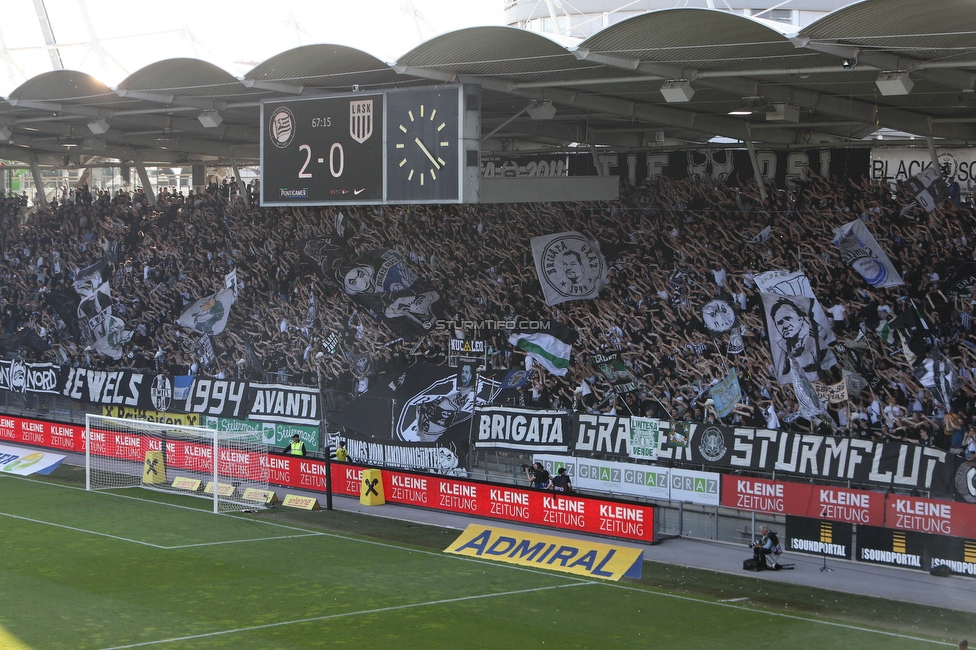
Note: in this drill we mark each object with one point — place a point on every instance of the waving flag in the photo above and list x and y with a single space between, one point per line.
861 250
209 315
929 187
551 347
569 266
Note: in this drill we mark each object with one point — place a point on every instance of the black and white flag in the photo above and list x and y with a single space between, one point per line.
940 377
929 187
795 338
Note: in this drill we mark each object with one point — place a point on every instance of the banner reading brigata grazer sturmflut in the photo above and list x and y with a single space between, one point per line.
900 465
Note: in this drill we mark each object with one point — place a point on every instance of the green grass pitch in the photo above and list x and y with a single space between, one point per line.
135 569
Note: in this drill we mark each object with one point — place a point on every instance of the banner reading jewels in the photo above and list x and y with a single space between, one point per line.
900 465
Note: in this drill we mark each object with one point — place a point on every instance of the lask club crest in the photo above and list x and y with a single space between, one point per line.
361 119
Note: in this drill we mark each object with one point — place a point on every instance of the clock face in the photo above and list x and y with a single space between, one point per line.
422 154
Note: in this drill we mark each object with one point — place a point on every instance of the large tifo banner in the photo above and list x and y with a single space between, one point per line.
633 480
153 392
899 465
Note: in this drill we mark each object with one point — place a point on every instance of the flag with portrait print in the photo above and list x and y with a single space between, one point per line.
569 265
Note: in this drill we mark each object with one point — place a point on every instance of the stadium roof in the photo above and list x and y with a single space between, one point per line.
817 86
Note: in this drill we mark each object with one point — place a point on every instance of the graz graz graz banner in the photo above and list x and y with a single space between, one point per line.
899 465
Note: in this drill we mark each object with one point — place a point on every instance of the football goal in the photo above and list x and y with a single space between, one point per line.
122 453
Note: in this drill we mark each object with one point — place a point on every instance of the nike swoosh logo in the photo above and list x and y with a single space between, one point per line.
358 192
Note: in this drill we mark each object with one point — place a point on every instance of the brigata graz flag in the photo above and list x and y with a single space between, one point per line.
569 265
862 251
551 346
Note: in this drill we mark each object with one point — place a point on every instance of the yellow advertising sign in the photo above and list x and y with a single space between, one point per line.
305 503
224 489
128 413
371 488
186 483
154 468
584 558
266 497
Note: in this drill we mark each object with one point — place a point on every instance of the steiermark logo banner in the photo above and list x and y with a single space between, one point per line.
273 434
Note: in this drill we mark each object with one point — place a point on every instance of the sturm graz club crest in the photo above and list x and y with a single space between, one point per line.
281 127
161 392
361 119
966 481
712 446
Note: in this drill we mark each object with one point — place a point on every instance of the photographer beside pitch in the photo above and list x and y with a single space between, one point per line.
767 550
538 476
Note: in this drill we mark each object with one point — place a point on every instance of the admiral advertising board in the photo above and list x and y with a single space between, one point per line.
818 537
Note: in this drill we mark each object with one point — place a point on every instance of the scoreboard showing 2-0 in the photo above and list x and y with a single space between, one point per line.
322 150
403 145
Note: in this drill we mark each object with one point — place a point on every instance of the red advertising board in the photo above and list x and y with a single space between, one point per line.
507 503
931 516
804 500
39 433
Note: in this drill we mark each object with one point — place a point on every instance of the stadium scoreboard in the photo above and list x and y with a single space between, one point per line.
416 145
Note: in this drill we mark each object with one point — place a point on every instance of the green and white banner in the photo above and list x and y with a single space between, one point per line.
636 480
644 438
273 434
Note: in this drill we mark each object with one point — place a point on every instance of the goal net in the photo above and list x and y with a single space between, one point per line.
177 459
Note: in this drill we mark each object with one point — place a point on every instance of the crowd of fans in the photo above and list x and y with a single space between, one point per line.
683 243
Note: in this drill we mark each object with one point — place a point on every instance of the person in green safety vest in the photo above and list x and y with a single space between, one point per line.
297 447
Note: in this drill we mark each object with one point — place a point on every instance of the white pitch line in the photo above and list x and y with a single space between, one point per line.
82 530
754 610
242 541
379 610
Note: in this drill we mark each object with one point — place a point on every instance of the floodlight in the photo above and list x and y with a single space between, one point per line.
677 90
210 119
894 83
99 126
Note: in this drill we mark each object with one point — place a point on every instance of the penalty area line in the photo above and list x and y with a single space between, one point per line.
83 530
378 610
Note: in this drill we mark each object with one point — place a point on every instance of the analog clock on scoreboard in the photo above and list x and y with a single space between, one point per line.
322 150
422 145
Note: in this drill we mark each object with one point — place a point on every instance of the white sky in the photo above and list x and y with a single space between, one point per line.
236 35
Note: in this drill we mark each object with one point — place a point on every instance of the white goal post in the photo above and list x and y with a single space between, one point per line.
122 453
